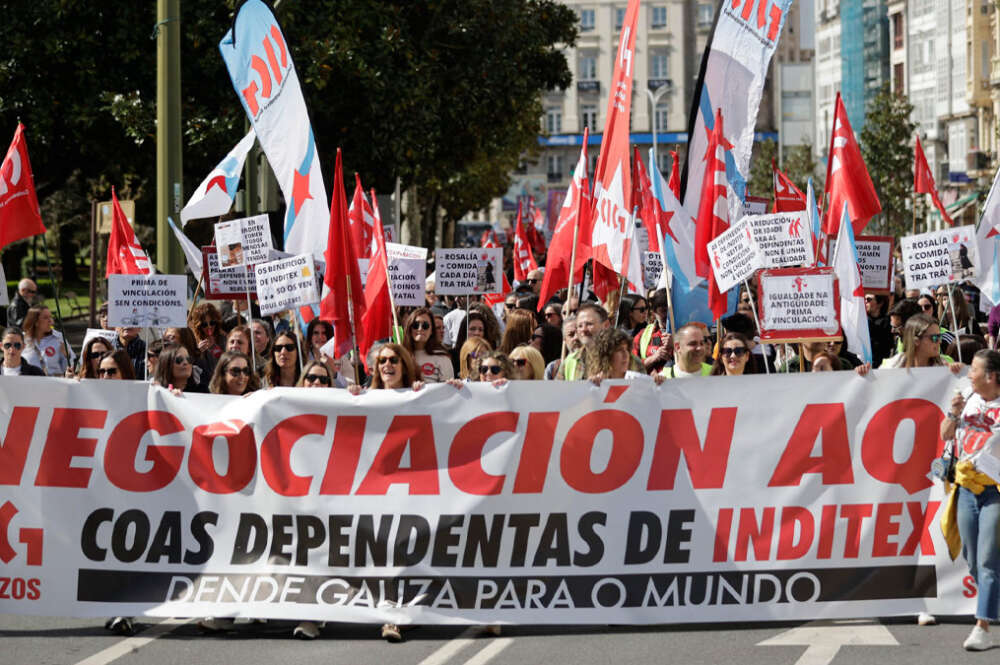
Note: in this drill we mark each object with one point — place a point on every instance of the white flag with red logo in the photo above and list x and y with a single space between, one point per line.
612 218
125 255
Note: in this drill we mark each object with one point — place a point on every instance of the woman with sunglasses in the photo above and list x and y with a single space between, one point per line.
316 375
528 363
205 323
921 345
469 356
632 314
90 357
233 375
202 364
13 363
553 314
116 365
521 325
43 345
420 339
495 368
174 370
734 352
927 305
282 369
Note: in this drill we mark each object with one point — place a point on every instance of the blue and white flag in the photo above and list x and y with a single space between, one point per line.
267 85
853 317
815 223
679 227
988 243
215 194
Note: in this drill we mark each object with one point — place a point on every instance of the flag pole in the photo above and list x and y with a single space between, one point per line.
954 321
55 293
572 269
253 351
354 330
625 265
197 288
756 321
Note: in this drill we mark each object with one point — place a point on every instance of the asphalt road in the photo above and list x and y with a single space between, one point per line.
38 641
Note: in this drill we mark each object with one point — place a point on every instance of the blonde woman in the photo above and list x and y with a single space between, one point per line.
528 363
468 357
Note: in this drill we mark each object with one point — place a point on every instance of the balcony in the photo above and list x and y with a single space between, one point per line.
977 160
588 86
655 84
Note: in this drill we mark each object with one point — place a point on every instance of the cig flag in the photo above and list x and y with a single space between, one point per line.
847 179
20 216
215 194
923 181
125 254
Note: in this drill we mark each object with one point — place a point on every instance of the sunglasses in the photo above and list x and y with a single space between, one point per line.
284 347
236 371
17 346
935 337
93 355
420 325
492 369
388 359
322 378
182 360
639 309
107 371
548 314
207 324
510 305
738 352
532 281
519 362
869 298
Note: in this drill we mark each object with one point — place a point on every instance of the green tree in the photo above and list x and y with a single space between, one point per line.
798 165
886 147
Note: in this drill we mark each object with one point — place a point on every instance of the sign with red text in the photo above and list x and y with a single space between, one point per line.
875 262
462 272
734 256
784 238
798 304
626 503
940 257
222 284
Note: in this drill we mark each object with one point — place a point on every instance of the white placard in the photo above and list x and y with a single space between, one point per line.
875 261
245 241
286 283
799 302
222 283
157 301
784 239
408 274
940 257
91 333
652 267
468 271
4 294
734 256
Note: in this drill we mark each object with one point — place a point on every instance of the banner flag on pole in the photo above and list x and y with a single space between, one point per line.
191 251
214 196
125 255
362 221
262 72
524 262
923 181
787 197
678 230
20 216
815 223
988 240
853 317
847 179
675 174
611 236
376 323
733 69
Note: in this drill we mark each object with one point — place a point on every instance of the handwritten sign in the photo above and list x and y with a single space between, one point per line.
222 284
875 262
286 283
940 257
468 271
734 255
147 300
798 304
243 242
784 239
407 273
652 267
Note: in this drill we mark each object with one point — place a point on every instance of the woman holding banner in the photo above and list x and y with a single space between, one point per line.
734 353
433 360
921 345
283 367
971 520
13 363
233 375
610 357
316 375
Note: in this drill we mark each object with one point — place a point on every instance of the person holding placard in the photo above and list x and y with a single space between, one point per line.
90 357
233 375
282 368
13 362
433 360
971 519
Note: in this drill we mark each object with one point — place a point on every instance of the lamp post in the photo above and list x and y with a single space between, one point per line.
654 99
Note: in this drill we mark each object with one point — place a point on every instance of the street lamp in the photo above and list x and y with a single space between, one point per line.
654 99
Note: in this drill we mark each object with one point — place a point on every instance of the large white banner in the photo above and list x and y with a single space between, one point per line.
625 503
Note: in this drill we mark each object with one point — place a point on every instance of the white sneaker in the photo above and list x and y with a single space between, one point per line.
306 630
978 640
926 619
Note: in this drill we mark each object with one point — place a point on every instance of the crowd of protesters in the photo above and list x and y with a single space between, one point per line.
224 349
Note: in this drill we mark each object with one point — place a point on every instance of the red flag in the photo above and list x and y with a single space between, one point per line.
714 203
20 216
523 260
362 220
535 229
675 175
787 197
376 323
612 236
125 255
923 181
573 216
343 277
847 178
643 197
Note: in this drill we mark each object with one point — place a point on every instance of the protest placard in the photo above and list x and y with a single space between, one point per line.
798 305
407 273
286 283
468 271
242 242
756 205
734 255
652 266
940 257
875 262
147 300
784 239
91 333
222 284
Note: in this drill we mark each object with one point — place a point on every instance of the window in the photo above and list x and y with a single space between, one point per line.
898 82
658 65
706 14
553 120
586 20
661 118
588 117
897 30
619 17
588 67
663 162
554 167
658 17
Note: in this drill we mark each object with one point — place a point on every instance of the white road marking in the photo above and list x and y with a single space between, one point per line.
451 647
491 651
127 646
823 639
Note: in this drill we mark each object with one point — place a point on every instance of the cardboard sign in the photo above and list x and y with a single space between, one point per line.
468 271
940 257
875 262
784 238
652 267
91 333
734 255
798 304
243 242
157 301
222 284
407 274
286 283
